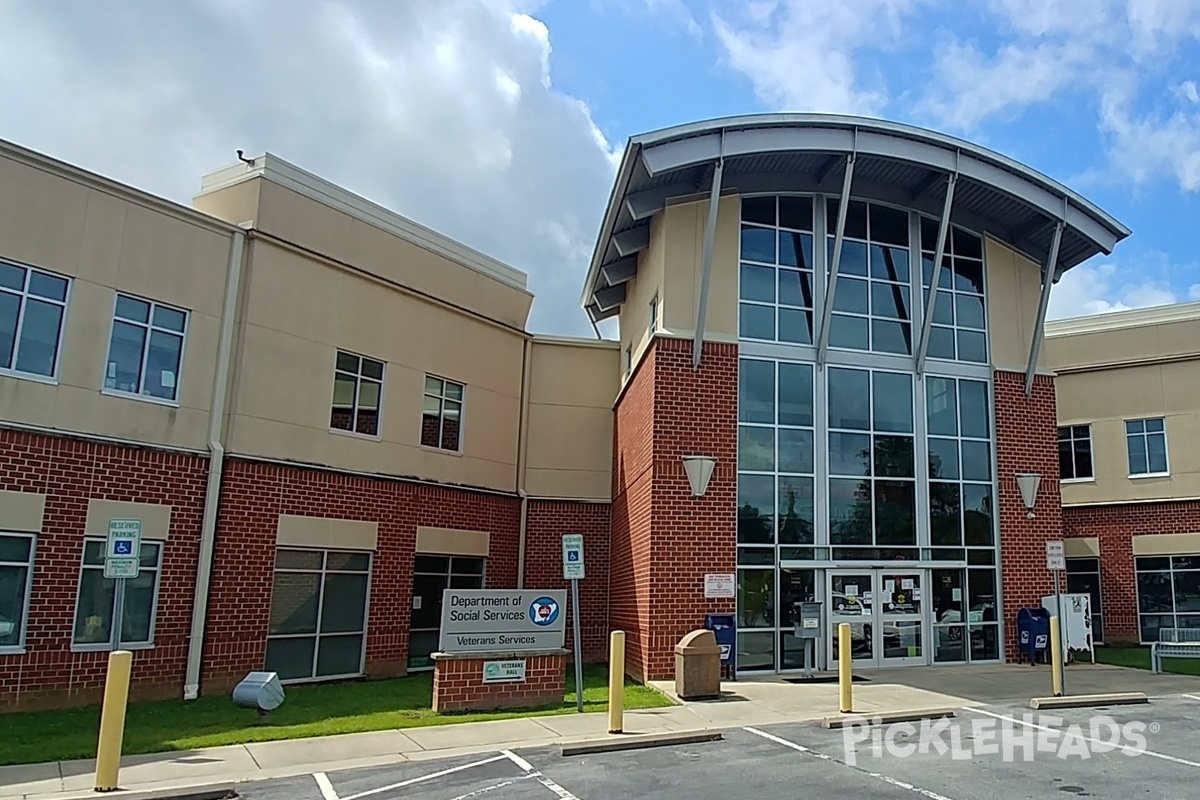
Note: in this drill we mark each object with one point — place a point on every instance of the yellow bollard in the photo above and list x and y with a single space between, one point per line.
616 682
112 720
844 677
1056 656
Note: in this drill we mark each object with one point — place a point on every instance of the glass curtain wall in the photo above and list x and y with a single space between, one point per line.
862 461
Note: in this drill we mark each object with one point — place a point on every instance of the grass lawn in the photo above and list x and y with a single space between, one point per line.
1139 658
315 710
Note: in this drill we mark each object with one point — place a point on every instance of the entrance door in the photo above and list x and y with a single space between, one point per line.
884 610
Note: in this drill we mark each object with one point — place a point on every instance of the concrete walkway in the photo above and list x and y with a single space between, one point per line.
755 701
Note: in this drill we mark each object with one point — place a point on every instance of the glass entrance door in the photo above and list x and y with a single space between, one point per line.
885 611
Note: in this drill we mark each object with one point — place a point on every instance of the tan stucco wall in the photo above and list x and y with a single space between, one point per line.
333 233
572 387
634 319
283 379
326 533
1105 399
1166 544
1013 293
683 230
110 239
22 511
155 517
452 542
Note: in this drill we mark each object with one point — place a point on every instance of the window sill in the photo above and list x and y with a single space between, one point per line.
12 651
366 437
29 376
444 452
1144 475
145 398
1077 480
106 646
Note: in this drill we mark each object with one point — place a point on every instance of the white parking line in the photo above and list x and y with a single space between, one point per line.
539 777
1144 752
1192 696
424 778
932 795
325 786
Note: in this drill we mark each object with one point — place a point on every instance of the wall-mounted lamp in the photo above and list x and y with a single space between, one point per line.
699 470
1028 483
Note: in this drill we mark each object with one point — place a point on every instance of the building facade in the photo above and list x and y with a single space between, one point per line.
324 414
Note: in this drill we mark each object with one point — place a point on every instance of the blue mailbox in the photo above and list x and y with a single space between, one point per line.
1033 633
724 628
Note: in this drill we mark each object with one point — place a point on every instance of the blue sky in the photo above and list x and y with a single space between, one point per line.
500 122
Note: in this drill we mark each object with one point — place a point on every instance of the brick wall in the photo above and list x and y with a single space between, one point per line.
545 524
664 540
70 472
1116 526
458 685
253 497
1026 441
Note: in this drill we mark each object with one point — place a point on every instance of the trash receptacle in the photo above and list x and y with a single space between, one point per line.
1033 634
698 666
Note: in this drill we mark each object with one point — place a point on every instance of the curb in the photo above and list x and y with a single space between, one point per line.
886 717
638 742
1086 700
218 790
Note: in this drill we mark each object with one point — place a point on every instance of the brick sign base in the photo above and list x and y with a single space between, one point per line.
458 681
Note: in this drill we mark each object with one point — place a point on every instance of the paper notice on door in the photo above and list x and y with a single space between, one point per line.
907 583
851 590
885 596
889 586
956 595
416 602
866 598
916 593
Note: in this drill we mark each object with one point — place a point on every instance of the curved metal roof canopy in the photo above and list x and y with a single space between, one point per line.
887 161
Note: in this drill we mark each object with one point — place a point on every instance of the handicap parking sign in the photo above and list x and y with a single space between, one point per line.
123 547
572 555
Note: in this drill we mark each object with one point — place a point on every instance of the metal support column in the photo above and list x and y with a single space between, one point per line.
710 234
843 207
1039 332
939 254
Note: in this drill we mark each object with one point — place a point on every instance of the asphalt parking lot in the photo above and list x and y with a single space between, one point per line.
998 752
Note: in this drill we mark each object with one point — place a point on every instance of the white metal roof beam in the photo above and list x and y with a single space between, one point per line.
610 297
710 233
632 241
619 271
843 207
643 205
1049 274
938 255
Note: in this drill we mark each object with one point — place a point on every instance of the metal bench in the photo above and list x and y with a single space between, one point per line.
1174 643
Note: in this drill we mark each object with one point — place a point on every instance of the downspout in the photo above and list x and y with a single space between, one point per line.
522 456
216 465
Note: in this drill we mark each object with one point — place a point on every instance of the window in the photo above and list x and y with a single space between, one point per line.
872 465
654 314
1075 453
776 274
33 305
431 576
628 360
145 349
94 606
318 614
441 422
961 503
959 315
16 569
1083 577
357 392
872 300
1168 589
1147 442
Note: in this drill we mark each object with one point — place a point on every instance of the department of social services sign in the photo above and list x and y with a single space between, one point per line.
502 620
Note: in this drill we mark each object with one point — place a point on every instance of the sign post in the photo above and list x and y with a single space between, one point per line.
122 560
1056 562
572 548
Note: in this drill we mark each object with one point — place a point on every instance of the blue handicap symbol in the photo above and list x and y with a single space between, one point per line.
573 555
123 547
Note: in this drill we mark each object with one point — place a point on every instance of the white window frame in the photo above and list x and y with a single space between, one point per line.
82 647
654 314
1170 571
19 647
1146 437
628 361
65 303
317 635
1099 574
1091 450
462 413
150 328
359 378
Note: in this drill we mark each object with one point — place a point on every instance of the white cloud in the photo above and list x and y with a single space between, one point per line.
440 109
1194 292
677 11
800 55
1150 144
1098 289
